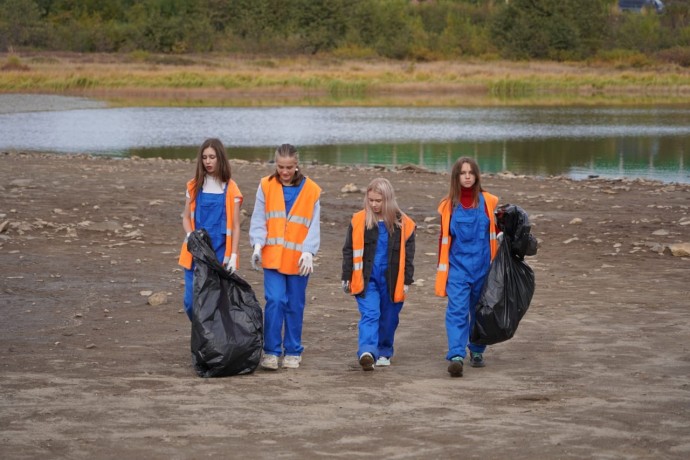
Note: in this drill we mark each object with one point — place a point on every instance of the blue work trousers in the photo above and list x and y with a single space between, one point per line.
379 317
470 258
209 215
460 314
219 247
285 300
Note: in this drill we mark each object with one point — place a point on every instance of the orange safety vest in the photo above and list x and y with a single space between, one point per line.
358 228
233 192
286 232
443 260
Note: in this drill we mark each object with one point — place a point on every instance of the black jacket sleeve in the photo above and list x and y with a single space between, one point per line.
347 255
409 259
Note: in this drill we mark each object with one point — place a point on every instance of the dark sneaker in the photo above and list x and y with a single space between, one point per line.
477 360
455 367
367 361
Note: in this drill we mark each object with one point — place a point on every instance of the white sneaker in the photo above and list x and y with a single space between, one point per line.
291 362
367 361
269 362
383 361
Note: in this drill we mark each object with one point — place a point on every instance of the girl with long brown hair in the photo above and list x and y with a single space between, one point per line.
468 245
213 203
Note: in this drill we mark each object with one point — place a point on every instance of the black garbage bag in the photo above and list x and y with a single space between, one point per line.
227 322
505 297
514 223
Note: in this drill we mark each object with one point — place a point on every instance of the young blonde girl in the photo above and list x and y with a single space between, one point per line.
378 269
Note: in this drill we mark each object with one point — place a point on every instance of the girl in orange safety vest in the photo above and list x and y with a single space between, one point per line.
285 233
378 268
213 203
468 245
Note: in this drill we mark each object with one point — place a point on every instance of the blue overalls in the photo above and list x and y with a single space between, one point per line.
285 300
210 215
379 314
470 258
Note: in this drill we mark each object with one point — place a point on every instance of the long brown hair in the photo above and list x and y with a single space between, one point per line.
223 171
389 205
455 187
288 151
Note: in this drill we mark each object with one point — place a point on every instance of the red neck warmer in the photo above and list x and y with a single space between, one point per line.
466 197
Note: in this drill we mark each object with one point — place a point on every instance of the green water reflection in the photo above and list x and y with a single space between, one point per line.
665 158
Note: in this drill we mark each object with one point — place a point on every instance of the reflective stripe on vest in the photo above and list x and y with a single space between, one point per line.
358 228
444 254
299 220
286 232
275 214
357 280
233 192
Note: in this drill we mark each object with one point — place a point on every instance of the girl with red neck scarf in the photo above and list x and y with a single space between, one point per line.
467 247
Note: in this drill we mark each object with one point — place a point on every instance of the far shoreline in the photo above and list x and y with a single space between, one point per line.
34 102
405 168
206 80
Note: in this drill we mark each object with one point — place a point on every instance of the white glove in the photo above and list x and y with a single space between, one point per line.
346 287
306 263
231 266
406 288
256 257
499 238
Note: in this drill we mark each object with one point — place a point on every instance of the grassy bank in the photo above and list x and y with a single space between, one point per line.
203 80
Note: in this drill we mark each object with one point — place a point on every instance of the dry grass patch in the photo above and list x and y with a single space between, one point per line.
334 81
14 63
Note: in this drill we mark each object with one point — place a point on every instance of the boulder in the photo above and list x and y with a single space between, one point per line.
679 249
157 298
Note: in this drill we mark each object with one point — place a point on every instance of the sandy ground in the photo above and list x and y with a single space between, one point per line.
598 368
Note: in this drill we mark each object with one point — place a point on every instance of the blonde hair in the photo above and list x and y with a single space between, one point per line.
389 206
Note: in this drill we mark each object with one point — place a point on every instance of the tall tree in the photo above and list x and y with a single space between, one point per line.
550 28
20 23
321 23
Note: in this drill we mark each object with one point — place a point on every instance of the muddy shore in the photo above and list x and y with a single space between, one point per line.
598 368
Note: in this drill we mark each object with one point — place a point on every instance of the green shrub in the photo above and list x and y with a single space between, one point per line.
44 60
354 52
511 89
340 89
139 56
677 55
14 63
267 63
623 58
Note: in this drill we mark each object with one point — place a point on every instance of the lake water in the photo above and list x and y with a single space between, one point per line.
648 142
